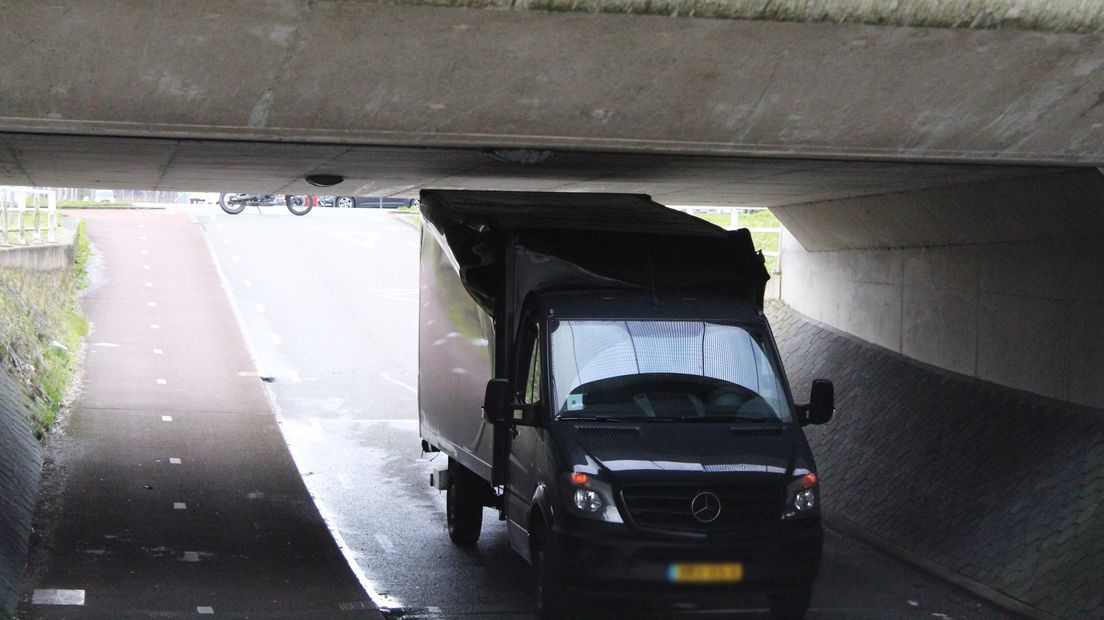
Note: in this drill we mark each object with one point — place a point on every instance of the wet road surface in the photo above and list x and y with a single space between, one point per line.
329 306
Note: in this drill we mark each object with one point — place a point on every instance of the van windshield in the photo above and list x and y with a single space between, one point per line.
663 370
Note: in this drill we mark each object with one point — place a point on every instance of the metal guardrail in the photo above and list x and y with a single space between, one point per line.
15 204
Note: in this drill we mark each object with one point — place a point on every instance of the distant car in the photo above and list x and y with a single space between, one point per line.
368 202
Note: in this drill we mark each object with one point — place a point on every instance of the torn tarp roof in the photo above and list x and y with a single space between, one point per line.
586 240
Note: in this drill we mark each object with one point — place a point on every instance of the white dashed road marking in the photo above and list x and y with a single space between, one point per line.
205 610
180 506
151 304
154 326
173 460
387 377
276 340
149 284
166 418
157 351
386 543
161 382
58 597
145 266
248 283
190 556
234 257
261 308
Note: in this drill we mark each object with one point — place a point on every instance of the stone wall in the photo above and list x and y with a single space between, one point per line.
20 470
1000 486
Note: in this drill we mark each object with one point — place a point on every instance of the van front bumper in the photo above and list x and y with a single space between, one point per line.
609 558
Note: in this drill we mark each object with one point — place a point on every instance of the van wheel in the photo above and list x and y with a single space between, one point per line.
551 602
790 604
464 505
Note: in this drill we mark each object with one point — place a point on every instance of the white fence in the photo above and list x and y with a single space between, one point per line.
27 215
734 223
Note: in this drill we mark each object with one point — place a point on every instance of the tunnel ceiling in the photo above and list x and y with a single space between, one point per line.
199 165
1026 90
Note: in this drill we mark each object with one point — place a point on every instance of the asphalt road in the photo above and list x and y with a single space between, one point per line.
172 493
328 304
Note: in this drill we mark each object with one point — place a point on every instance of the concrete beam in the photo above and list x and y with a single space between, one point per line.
1082 16
373 73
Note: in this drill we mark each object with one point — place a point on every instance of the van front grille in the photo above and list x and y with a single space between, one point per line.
669 508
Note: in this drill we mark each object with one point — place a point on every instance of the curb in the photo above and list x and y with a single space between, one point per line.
990 594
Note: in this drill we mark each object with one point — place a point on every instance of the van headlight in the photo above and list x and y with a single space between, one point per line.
802 496
592 498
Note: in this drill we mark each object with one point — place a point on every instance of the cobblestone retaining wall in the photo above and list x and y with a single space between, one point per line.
20 471
996 485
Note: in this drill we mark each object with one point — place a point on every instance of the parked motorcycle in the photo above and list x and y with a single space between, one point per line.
236 203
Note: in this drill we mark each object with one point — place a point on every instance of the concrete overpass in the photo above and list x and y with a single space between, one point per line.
936 166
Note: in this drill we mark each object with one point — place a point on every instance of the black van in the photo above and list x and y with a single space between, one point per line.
599 369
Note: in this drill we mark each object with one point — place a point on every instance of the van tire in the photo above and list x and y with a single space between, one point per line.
790 604
551 599
464 505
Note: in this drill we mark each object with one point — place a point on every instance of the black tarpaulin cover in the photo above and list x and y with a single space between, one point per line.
588 240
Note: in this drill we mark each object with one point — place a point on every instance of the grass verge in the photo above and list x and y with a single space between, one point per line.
41 326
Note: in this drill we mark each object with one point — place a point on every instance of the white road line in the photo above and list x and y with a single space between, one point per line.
364 239
142 238
58 597
149 284
294 376
345 482
190 556
261 308
104 344
248 283
161 382
180 506
157 351
145 266
166 418
234 257
226 239
174 461
141 226
387 377
276 340
205 610
154 326
151 304
144 252
386 543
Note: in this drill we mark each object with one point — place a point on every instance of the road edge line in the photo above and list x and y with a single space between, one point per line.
327 519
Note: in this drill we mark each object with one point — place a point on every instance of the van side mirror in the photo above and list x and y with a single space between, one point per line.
496 402
822 404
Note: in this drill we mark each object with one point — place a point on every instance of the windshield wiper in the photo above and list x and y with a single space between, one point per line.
727 418
617 418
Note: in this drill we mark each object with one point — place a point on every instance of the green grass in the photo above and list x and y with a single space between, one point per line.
89 204
767 242
41 327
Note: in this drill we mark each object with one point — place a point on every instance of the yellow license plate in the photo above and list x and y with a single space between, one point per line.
730 572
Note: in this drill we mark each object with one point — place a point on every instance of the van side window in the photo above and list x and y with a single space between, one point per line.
533 379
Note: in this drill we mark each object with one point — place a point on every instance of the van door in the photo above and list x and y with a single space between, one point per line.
527 446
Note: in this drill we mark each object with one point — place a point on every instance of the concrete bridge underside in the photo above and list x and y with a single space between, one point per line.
938 176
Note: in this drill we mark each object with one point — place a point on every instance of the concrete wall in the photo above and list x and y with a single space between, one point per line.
996 281
995 487
20 469
964 328
44 257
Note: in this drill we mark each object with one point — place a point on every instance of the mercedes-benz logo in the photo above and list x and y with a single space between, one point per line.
706 507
